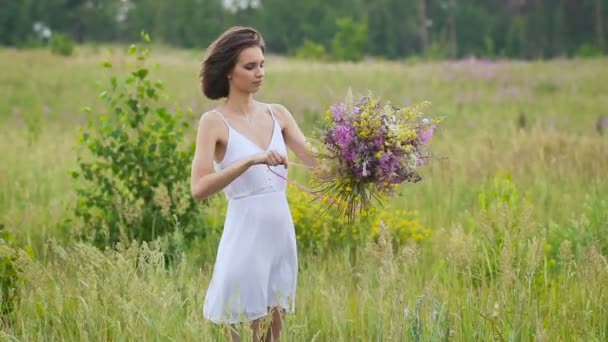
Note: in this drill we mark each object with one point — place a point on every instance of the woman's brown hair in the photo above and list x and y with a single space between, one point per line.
222 56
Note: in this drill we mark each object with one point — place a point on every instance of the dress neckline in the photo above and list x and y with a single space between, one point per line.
247 139
268 145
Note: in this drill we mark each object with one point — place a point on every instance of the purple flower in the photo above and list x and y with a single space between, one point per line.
349 154
338 111
426 135
343 135
389 167
419 162
378 142
385 163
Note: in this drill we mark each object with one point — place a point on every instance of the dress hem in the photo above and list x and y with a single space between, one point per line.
289 310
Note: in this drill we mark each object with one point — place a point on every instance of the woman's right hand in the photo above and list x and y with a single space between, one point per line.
271 158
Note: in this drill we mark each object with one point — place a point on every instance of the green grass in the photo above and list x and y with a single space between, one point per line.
519 216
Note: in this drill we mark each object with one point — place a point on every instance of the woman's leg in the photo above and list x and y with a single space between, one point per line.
273 333
233 334
255 329
274 330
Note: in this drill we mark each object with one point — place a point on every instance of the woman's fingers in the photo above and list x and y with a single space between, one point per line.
274 158
281 159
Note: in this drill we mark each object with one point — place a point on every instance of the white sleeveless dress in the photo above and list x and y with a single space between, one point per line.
257 263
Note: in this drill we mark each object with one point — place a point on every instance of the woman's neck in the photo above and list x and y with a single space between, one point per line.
240 103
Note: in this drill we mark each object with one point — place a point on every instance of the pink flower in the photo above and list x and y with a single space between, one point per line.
426 135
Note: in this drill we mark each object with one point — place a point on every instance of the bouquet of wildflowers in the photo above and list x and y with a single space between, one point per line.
366 149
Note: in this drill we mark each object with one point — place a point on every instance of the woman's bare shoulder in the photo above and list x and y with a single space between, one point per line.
210 117
280 111
211 122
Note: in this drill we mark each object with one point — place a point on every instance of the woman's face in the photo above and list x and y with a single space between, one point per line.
248 72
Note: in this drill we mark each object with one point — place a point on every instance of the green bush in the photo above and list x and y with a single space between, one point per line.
588 50
318 228
437 51
311 50
349 42
507 242
12 259
133 181
587 228
516 37
32 43
62 45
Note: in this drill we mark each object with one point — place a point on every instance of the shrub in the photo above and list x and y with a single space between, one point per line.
350 40
508 243
134 181
437 51
318 228
403 225
12 260
311 50
62 45
588 50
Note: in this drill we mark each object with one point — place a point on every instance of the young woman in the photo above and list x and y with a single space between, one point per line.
242 140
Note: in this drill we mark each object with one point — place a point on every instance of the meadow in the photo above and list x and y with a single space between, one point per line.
510 221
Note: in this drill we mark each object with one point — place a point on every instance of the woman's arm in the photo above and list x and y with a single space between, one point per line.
204 182
294 138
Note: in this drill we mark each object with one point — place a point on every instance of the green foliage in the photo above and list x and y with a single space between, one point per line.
546 87
9 276
62 45
74 291
33 43
437 51
550 28
502 191
136 174
11 273
348 44
319 229
515 28
473 25
508 245
489 46
34 125
311 50
588 50
516 37
585 229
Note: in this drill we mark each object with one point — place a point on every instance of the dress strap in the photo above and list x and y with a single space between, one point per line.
271 113
221 116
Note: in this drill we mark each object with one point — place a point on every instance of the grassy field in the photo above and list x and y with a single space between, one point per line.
517 211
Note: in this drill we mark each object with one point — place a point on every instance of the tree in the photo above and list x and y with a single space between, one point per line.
424 32
350 40
395 28
599 24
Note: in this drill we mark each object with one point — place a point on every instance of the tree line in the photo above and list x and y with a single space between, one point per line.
344 29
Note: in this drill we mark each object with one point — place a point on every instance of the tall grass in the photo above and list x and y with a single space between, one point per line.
518 212
448 289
